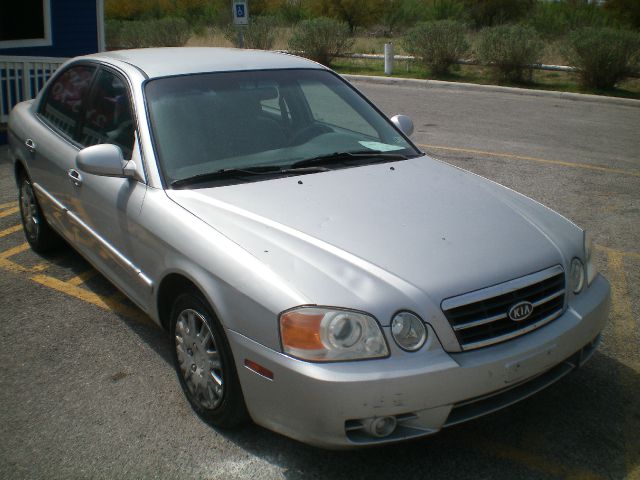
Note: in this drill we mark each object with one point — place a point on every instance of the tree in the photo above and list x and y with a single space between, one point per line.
356 13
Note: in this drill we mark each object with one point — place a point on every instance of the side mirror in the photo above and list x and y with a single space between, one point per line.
404 124
105 160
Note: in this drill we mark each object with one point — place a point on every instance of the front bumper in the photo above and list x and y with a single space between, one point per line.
323 404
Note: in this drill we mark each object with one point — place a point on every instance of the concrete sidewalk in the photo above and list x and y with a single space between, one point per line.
414 82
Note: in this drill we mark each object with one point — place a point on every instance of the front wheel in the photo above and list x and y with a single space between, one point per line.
204 363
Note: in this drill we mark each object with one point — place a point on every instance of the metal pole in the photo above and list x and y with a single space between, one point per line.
388 58
241 37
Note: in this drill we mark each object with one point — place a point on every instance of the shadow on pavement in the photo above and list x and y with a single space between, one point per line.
585 426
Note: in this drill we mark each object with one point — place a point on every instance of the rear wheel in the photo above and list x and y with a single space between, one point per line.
39 234
204 363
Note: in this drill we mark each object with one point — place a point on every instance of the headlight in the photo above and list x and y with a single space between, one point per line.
588 258
576 275
408 331
326 335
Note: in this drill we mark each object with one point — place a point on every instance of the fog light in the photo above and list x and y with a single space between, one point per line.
380 426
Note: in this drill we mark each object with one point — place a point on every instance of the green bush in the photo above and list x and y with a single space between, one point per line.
511 50
170 32
558 19
603 56
259 34
627 12
163 32
485 13
321 39
445 10
438 44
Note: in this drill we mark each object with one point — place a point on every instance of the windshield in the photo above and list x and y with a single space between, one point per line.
261 121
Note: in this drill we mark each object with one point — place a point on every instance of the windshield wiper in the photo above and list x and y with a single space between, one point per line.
243 172
342 157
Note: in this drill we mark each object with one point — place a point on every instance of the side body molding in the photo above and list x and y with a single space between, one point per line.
124 261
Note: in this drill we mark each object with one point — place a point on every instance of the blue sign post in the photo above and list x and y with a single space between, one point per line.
240 18
240 12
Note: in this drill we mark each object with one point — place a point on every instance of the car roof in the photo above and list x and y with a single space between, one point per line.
163 62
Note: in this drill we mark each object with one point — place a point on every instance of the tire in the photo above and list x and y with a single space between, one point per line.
204 363
41 237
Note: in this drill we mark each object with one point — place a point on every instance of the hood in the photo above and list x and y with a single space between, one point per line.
394 235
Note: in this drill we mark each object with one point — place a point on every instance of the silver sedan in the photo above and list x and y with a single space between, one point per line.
316 272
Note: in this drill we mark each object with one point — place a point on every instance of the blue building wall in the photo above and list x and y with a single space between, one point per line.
74 31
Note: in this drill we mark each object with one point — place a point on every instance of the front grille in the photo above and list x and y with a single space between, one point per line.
481 318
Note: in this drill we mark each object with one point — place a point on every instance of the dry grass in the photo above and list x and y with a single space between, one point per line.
214 37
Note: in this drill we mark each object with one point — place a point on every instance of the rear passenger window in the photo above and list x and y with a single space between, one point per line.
64 98
108 115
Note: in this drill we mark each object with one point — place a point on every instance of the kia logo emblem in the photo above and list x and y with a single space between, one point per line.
520 311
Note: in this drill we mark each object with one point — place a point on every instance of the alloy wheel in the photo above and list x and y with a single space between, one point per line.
199 359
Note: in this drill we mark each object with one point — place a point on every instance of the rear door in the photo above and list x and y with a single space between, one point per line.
52 141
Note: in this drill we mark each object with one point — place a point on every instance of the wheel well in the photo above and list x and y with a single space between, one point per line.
171 286
19 172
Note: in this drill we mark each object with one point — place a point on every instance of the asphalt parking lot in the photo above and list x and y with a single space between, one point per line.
88 391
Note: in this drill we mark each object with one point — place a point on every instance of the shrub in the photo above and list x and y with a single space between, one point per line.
494 12
260 33
445 10
164 32
170 32
603 56
626 11
511 50
321 39
438 44
558 19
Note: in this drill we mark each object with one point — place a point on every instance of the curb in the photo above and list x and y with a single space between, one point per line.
414 82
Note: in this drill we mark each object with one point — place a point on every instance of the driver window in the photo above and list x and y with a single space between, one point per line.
327 107
108 116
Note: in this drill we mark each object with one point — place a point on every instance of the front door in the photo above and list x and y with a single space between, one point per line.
106 209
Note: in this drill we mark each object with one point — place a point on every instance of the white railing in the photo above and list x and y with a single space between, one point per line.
21 78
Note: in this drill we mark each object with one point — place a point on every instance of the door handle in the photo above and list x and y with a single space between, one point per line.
31 146
75 177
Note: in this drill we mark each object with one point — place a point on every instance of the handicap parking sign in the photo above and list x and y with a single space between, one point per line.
240 12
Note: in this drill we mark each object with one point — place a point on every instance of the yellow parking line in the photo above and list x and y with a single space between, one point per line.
7 205
530 460
11 266
7 264
10 230
511 156
81 278
10 211
101 301
14 251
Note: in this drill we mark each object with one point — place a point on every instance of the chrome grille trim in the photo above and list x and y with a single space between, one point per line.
514 334
549 298
480 318
482 321
501 288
